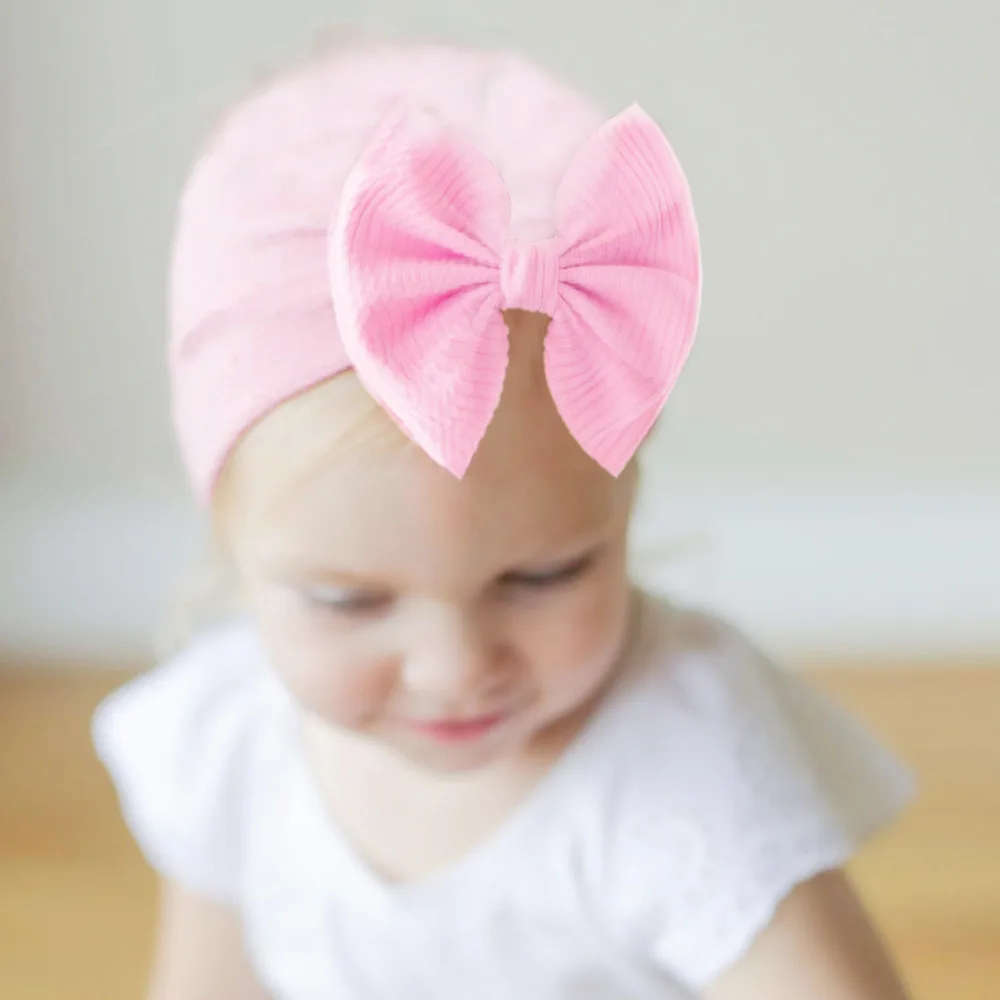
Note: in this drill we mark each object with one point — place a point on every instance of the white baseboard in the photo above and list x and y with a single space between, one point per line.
85 575
904 575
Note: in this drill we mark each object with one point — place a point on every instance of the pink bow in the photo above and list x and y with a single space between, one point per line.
422 267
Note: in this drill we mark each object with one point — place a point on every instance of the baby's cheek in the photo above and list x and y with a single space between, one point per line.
346 692
326 671
588 637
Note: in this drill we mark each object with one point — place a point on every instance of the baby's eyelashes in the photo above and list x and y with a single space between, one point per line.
348 600
552 576
369 601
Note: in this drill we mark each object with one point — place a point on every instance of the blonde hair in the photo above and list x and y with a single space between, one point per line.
329 422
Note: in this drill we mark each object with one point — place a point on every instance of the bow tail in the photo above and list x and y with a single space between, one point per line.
442 382
610 368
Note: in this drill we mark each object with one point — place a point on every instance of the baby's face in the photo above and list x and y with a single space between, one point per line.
455 620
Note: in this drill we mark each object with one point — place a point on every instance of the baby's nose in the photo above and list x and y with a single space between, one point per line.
456 662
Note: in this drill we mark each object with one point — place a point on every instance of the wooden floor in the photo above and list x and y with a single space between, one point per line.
76 901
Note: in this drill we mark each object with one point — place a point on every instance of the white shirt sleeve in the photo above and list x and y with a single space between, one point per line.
741 782
178 743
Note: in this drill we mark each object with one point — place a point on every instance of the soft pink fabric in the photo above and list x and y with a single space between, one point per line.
252 313
422 266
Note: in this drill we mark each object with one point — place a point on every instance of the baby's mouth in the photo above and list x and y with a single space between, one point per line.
454 729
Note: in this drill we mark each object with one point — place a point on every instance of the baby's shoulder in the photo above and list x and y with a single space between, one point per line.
181 743
724 779
208 695
694 669
706 724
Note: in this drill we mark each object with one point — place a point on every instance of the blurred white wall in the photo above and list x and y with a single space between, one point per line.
834 439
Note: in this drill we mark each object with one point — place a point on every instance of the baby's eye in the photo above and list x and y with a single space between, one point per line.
551 577
348 601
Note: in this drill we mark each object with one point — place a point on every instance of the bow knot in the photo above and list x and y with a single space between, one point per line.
529 277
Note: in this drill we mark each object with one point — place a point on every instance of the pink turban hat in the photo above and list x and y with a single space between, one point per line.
253 321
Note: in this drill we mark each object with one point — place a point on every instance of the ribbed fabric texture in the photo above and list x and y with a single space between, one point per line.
421 267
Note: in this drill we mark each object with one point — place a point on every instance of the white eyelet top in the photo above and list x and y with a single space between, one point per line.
706 785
